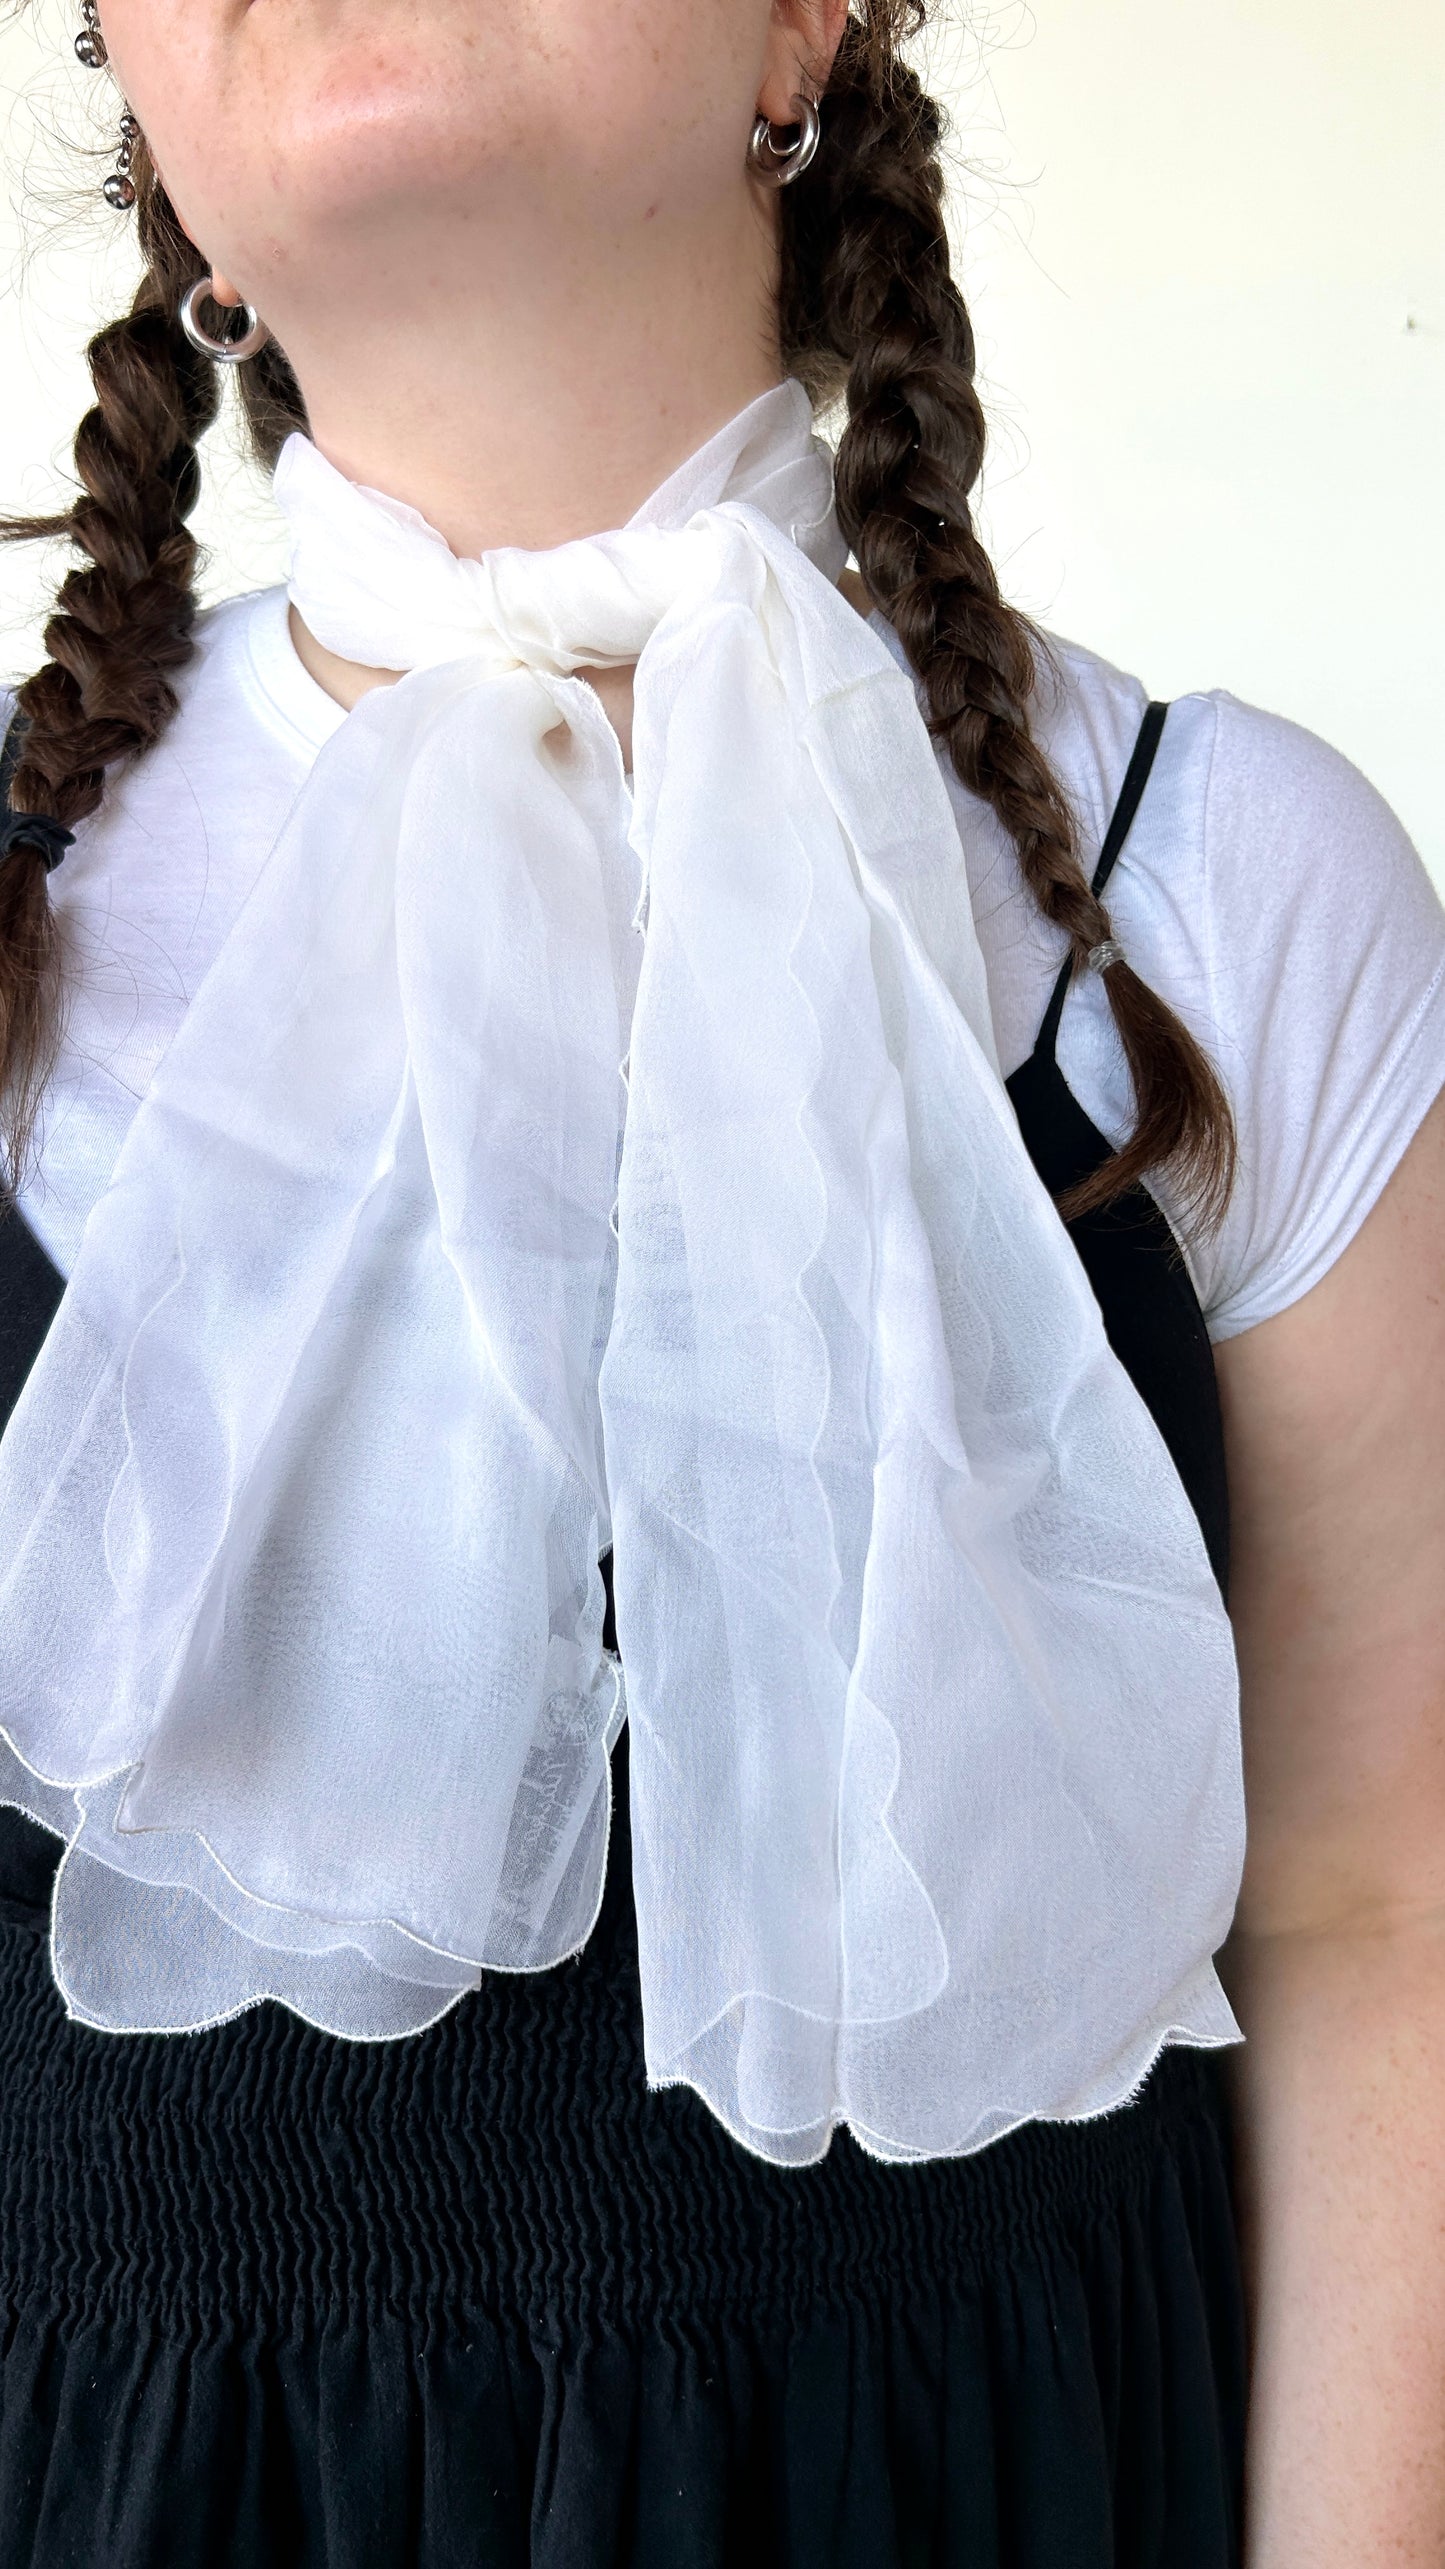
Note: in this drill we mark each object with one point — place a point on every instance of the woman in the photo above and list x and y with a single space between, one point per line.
836 2168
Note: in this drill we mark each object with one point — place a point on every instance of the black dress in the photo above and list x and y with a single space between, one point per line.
477 2299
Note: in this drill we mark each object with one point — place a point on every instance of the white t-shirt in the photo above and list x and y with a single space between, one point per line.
1266 892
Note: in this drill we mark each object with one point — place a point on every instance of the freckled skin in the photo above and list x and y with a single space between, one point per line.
310 144
510 247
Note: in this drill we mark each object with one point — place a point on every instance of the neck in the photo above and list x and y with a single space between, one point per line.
540 399
534 401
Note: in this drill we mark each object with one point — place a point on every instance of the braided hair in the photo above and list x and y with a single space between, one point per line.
122 623
868 311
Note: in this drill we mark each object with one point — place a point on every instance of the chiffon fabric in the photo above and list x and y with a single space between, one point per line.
554 1159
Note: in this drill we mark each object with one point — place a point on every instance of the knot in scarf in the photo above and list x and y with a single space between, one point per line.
376 584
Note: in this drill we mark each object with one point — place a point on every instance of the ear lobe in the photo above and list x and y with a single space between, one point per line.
803 37
220 289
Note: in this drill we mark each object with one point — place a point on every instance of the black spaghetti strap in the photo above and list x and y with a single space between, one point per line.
1131 795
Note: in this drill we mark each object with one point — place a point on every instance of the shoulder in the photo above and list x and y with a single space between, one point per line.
242 680
156 878
1273 899
1231 774
1230 771
180 827
177 835
1272 896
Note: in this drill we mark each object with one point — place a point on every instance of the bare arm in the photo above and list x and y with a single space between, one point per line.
1335 1420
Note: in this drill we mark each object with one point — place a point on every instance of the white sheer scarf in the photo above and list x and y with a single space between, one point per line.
548 1162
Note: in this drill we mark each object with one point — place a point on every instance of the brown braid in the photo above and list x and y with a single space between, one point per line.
868 306
121 629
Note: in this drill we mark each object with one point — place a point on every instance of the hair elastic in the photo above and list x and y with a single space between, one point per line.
48 838
1102 955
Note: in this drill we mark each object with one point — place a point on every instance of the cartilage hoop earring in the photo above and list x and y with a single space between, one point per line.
119 188
226 352
90 43
777 165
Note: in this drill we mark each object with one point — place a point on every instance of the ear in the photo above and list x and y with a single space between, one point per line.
803 37
222 291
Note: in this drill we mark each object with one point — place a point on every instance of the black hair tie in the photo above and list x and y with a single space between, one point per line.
49 839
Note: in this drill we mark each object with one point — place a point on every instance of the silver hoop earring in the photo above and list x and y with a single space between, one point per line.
777 165
226 352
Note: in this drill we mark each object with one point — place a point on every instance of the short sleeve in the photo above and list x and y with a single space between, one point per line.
1326 970
1271 898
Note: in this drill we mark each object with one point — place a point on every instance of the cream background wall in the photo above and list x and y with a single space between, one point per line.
1206 254
1210 288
